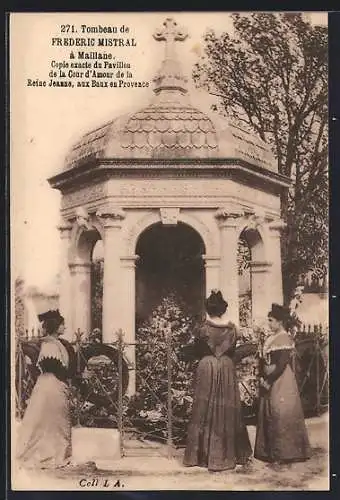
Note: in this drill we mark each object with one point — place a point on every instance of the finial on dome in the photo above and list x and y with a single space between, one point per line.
170 75
169 33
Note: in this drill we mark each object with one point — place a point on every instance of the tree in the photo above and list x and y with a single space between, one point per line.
19 306
271 77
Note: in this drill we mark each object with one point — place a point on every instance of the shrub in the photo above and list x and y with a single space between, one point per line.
147 409
19 307
245 309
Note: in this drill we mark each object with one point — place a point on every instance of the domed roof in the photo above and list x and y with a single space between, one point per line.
169 127
167 130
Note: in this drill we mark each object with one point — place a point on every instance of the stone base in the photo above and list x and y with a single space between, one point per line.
91 444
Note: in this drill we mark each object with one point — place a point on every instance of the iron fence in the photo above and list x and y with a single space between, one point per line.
108 390
311 367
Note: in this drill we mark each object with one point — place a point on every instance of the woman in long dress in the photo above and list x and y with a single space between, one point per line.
281 431
217 436
44 439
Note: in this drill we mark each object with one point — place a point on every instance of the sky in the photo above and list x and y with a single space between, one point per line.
46 122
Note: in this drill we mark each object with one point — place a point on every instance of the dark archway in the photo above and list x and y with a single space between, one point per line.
244 277
170 262
97 275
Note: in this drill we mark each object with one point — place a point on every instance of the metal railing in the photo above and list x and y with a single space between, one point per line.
27 350
112 391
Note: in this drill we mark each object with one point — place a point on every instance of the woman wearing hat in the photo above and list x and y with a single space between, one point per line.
45 434
217 435
281 432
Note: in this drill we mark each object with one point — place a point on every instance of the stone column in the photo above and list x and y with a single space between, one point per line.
113 297
81 297
274 256
128 314
261 296
229 283
65 303
212 271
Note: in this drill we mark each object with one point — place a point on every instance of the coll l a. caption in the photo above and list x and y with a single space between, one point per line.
88 483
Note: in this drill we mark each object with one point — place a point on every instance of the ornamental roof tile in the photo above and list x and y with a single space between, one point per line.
170 127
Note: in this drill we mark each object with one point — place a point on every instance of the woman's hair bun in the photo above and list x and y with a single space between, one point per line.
215 303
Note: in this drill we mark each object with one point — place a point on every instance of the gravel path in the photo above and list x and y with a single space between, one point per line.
159 473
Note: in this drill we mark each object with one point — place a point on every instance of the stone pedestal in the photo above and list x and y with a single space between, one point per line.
91 444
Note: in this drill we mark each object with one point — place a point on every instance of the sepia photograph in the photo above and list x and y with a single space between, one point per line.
169 251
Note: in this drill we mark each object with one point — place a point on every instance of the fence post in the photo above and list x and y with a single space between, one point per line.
317 355
78 345
120 392
20 377
169 405
294 361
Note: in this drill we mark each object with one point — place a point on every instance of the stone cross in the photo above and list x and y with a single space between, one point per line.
170 33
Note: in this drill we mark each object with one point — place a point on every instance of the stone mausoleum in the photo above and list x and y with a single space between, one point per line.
169 191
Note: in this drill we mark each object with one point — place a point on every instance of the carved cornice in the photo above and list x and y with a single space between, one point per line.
228 216
83 195
111 216
65 228
83 218
277 225
228 212
255 219
103 169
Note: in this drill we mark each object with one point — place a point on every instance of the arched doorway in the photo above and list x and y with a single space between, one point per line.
170 292
170 262
244 279
87 281
253 274
97 275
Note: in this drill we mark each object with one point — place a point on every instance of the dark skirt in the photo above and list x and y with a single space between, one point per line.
217 436
281 431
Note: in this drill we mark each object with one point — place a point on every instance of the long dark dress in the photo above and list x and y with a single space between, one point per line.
281 432
217 436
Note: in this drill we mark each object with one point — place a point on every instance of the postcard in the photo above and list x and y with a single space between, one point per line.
169 251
